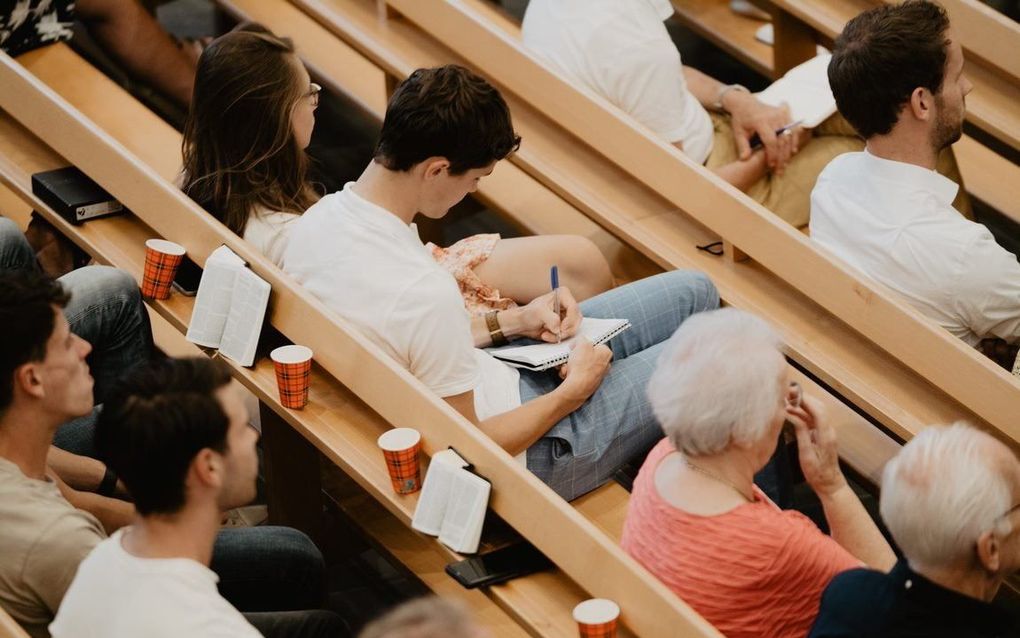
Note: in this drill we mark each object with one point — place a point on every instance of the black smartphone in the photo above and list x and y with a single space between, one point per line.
499 565
187 278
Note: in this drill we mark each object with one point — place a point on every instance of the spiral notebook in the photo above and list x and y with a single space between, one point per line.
542 356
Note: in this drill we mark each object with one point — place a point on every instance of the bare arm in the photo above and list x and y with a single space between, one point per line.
849 522
537 320
126 30
748 117
112 513
516 430
79 472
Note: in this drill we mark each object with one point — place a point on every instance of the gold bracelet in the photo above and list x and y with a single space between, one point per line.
495 332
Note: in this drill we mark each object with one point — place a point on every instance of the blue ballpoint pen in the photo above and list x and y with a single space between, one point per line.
554 276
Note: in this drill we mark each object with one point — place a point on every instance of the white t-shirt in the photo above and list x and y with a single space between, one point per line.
372 269
620 50
895 222
118 595
268 231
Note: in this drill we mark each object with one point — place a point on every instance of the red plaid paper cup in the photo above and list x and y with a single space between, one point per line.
596 618
293 366
401 447
162 258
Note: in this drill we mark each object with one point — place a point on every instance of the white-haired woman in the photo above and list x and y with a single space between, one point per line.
696 520
951 499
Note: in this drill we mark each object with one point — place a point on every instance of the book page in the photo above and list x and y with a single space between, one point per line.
435 492
244 320
212 304
462 525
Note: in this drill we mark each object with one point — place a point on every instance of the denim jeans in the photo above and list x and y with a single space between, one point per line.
311 623
616 424
106 310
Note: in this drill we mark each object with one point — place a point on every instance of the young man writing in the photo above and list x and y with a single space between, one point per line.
445 129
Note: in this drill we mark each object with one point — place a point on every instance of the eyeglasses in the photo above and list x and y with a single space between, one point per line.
794 395
313 92
1009 511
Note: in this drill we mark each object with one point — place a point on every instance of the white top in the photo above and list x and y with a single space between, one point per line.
118 595
268 232
371 268
895 222
620 50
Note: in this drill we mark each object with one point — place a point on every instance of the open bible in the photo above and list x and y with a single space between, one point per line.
230 307
805 89
542 356
452 503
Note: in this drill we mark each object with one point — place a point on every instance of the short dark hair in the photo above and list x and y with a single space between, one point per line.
153 424
27 300
882 56
446 112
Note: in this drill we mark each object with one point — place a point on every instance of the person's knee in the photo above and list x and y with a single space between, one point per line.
15 251
585 266
703 293
295 550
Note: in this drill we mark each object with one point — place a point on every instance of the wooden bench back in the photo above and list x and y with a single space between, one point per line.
523 501
868 308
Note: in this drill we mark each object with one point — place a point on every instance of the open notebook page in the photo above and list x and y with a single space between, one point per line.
541 356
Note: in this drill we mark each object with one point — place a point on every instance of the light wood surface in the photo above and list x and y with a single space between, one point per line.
518 496
105 241
871 311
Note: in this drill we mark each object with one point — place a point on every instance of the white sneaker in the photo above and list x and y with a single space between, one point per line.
745 8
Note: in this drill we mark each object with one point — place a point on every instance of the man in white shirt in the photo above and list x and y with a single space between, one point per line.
357 250
620 50
177 433
45 381
897 74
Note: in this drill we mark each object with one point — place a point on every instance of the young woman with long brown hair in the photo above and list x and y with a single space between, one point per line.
251 120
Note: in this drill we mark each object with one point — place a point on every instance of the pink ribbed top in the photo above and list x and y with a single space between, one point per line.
755 571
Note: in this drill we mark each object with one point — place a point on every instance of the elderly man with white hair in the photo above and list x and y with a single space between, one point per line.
951 499
722 392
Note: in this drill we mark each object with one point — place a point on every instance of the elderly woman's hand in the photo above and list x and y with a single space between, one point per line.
816 440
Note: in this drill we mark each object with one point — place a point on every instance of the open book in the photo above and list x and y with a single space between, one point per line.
805 88
542 356
452 503
230 307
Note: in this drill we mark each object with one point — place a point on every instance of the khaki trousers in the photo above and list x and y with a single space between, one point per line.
789 196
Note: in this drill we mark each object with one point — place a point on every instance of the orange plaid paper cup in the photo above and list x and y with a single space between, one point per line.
596 618
293 366
162 258
401 447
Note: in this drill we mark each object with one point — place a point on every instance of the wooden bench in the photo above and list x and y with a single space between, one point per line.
863 448
634 185
341 425
989 177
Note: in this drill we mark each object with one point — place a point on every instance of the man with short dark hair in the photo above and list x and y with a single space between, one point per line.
897 72
177 433
357 250
44 382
